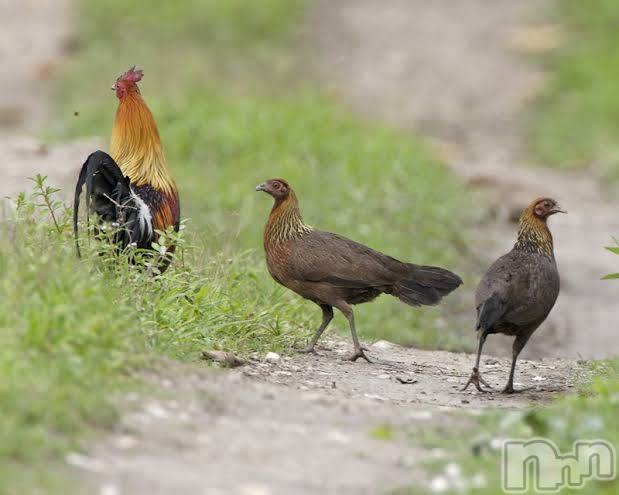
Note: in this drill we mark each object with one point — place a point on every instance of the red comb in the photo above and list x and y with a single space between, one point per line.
131 76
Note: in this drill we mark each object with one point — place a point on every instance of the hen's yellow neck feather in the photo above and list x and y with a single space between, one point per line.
285 221
533 234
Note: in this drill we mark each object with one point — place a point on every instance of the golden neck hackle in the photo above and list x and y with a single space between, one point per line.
285 222
533 234
136 146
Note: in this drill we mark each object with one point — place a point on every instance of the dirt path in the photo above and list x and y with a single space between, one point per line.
302 425
453 69
32 47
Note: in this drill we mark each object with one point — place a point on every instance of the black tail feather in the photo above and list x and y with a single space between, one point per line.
109 195
76 203
425 285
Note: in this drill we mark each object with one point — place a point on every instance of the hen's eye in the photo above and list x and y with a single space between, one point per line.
276 185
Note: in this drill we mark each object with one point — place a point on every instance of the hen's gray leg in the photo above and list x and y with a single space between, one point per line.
358 350
327 316
476 378
519 343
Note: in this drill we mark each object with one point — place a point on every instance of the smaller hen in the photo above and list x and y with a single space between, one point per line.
518 291
334 271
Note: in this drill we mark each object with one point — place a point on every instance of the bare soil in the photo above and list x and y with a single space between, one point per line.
303 425
33 42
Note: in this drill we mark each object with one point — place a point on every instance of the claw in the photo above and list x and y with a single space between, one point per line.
509 389
358 353
476 379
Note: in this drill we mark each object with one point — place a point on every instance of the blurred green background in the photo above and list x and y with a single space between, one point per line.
575 121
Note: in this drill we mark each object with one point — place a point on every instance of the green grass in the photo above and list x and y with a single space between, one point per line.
73 333
615 250
383 432
231 43
575 122
66 337
476 456
234 108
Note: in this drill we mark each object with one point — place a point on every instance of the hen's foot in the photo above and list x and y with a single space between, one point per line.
509 389
309 349
477 380
359 353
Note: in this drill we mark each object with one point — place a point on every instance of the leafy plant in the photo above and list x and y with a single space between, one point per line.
615 250
72 331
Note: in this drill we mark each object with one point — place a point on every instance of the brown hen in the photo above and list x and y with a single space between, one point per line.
334 271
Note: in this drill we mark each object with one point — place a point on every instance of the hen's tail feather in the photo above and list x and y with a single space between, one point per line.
425 285
109 194
489 312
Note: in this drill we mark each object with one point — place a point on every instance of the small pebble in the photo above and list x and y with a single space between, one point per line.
272 357
383 344
156 411
85 462
253 489
439 484
124 442
109 489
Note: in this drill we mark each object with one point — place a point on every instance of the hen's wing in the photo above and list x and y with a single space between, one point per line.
519 288
336 260
327 258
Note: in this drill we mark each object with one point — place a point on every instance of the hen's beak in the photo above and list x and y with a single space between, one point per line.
556 209
261 187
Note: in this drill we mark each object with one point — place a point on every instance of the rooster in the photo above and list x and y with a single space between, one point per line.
333 271
132 187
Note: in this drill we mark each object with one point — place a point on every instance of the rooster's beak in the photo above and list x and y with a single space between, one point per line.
261 187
